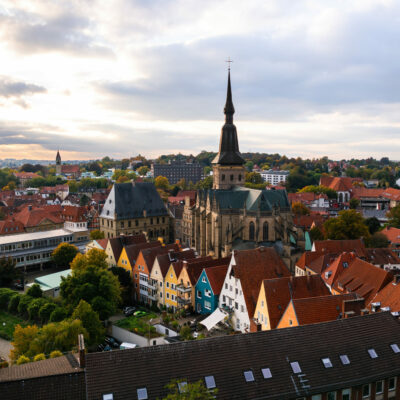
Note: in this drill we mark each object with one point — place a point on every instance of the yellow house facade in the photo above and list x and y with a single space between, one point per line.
261 313
171 280
124 262
185 289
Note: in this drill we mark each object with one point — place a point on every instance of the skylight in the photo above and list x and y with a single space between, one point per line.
395 348
248 375
210 382
344 359
108 396
295 367
372 353
266 373
142 394
181 386
327 363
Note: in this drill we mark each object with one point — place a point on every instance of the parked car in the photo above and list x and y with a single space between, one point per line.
112 342
18 286
140 313
128 311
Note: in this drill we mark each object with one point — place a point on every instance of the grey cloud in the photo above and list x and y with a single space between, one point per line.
13 88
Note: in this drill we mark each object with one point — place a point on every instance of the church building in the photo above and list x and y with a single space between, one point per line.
230 216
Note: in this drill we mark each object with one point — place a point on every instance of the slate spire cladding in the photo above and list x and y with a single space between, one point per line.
58 158
228 146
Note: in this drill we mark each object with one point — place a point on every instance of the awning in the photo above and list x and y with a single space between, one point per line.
217 316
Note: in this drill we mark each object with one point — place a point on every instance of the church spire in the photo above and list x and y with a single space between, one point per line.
58 158
229 109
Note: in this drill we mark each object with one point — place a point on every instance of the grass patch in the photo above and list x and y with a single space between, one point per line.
7 324
139 325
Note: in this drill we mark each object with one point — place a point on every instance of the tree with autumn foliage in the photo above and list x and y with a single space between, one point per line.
299 208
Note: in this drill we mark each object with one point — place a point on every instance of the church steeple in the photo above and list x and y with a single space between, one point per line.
58 158
228 146
228 166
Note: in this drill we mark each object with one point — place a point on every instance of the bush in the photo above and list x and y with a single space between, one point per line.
5 296
59 314
23 360
24 304
55 354
3 364
13 303
186 333
34 307
39 357
35 291
175 324
46 310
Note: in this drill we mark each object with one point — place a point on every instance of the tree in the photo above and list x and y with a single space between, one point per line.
58 314
348 225
316 234
142 171
373 224
23 305
254 177
63 254
125 280
95 257
161 182
8 272
96 234
90 321
39 357
22 339
55 354
5 296
186 333
34 308
320 189
35 291
299 208
189 391
13 303
46 310
377 240
23 360
394 217
354 203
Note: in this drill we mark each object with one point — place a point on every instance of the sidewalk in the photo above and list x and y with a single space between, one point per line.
5 348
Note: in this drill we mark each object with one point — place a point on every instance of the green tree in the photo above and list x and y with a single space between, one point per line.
46 310
354 203
142 171
300 209
39 357
5 296
161 182
373 224
394 217
23 360
348 225
90 321
95 257
377 240
63 254
316 234
23 305
186 333
96 234
254 177
22 338
58 314
34 308
13 303
35 291
8 272
180 390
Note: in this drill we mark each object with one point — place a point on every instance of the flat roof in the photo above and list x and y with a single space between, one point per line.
23 237
52 281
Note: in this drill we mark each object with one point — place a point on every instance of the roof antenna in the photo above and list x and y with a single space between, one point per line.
229 61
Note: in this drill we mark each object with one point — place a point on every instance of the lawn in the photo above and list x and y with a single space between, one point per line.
139 325
7 324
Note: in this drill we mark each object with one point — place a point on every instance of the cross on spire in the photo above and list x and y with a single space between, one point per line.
229 61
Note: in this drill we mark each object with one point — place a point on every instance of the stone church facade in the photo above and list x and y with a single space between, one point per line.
230 216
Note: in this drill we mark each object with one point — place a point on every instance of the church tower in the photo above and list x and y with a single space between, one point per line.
228 166
58 163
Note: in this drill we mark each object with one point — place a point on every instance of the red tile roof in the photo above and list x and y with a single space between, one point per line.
102 243
195 268
315 310
70 169
216 276
11 226
165 260
149 254
119 242
306 221
32 216
279 292
334 270
362 278
251 267
393 234
391 194
339 184
133 250
339 246
389 296
382 256
362 192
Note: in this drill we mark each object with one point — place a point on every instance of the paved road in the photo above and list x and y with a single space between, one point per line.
5 347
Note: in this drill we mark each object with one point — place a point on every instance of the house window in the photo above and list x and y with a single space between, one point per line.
108 396
327 363
236 306
226 286
240 177
265 231
207 305
316 397
210 382
198 294
167 295
266 373
203 279
251 231
379 387
248 376
231 177
167 284
372 353
223 177
366 389
331 396
346 394
295 367
207 292
392 383
242 308
262 303
142 394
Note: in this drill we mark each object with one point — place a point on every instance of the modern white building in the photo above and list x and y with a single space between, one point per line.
32 250
274 177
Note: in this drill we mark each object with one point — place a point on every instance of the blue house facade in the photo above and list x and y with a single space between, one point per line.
205 300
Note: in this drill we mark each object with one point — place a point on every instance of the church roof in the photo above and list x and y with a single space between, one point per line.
228 146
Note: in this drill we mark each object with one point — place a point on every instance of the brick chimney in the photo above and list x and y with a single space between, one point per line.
81 350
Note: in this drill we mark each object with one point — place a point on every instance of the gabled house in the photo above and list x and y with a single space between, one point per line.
275 295
340 264
247 270
115 246
339 246
387 298
160 268
314 310
208 288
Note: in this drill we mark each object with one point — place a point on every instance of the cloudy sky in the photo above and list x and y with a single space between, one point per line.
121 77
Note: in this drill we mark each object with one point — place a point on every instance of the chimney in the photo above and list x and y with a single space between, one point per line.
364 311
354 306
349 314
375 307
81 349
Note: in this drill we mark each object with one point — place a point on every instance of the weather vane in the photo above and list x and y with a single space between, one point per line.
229 61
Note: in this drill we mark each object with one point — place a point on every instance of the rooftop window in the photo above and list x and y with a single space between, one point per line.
142 394
210 382
248 375
395 348
108 396
344 359
181 386
266 373
372 353
327 363
295 367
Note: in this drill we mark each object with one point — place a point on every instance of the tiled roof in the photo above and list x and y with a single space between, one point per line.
321 263
102 243
382 256
26 175
164 260
32 217
393 234
11 226
179 264
252 267
301 197
149 254
389 296
334 270
362 278
306 221
216 276
340 184
338 246
362 192
391 194
133 250
227 357
306 258
313 310
119 242
74 213
70 169
279 292
194 268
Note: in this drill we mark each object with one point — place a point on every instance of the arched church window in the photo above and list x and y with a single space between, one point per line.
223 177
265 231
231 177
251 231
240 177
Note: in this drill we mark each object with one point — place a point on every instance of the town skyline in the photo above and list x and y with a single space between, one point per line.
308 81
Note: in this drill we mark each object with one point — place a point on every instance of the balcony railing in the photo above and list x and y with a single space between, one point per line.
183 289
183 301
